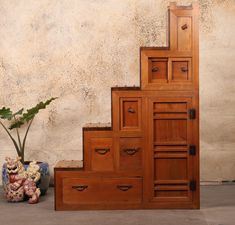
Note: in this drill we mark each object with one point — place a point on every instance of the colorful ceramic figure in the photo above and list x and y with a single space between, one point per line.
22 182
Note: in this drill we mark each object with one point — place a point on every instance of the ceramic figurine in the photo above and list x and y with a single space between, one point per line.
22 183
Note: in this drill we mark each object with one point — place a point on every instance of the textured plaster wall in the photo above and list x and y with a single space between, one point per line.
77 50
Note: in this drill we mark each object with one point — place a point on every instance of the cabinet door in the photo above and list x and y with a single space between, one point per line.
169 175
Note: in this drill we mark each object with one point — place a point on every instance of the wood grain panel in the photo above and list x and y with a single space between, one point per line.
131 152
102 190
130 113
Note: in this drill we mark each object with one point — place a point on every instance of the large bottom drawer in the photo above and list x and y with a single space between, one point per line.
101 190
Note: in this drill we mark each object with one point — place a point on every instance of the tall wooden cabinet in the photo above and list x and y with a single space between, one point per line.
149 156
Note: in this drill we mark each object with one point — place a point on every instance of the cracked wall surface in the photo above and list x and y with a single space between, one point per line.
77 50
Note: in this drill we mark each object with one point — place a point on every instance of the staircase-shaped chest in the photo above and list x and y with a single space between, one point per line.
149 156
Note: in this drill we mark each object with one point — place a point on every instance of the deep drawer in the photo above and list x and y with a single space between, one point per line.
101 190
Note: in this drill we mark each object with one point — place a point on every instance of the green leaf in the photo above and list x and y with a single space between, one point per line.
18 112
30 114
5 113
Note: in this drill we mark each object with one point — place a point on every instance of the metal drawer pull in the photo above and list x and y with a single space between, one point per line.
130 110
184 69
124 187
131 151
155 69
184 27
80 187
102 151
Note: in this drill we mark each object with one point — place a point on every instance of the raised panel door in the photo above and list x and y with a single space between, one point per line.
170 165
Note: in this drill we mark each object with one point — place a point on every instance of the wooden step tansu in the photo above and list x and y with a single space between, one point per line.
149 156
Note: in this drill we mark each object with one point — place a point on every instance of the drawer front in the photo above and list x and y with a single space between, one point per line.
102 190
130 110
101 154
180 70
158 70
131 152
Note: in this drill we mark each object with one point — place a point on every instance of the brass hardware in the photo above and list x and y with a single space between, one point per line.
184 69
102 151
184 27
124 187
130 110
131 151
80 187
155 69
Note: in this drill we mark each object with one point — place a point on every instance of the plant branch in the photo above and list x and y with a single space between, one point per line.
18 136
13 140
26 133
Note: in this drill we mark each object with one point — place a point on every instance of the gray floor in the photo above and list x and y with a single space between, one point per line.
217 208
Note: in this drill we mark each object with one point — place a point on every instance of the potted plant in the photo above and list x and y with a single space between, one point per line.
17 120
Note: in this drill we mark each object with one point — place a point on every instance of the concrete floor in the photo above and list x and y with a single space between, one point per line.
217 208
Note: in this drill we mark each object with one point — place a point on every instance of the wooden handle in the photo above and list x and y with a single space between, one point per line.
80 187
124 187
131 151
155 69
184 69
102 151
184 27
130 110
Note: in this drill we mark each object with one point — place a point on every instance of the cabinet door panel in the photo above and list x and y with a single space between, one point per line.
170 131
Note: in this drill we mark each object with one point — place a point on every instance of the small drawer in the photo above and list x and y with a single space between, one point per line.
130 110
99 190
101 154
158 70
180 70
131 151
